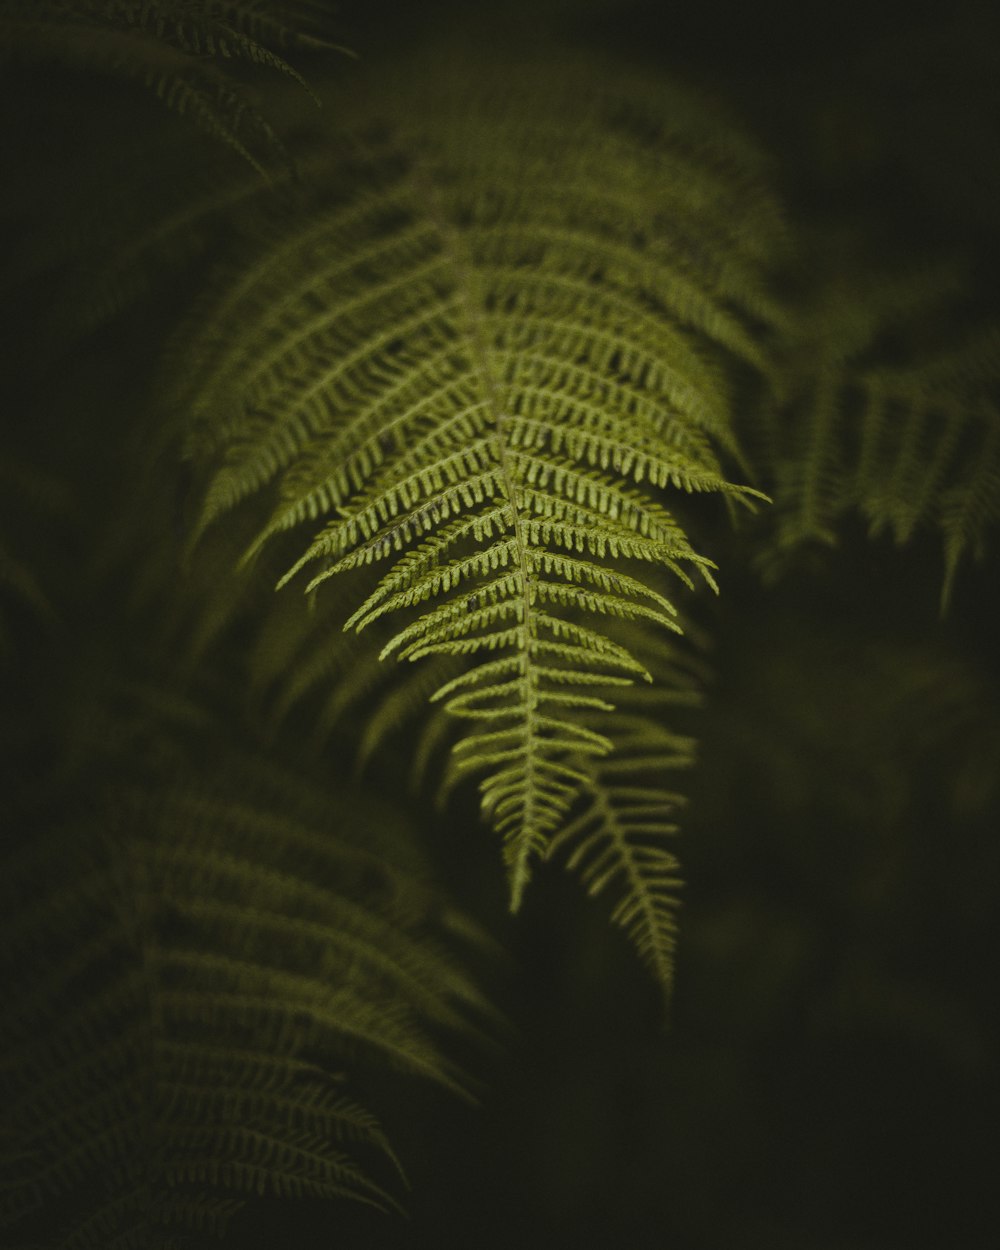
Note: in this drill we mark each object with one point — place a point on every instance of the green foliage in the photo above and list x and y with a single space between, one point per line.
476 366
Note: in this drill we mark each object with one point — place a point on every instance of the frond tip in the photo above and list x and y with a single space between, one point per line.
618 836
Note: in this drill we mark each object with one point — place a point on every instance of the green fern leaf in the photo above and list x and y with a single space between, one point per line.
498 372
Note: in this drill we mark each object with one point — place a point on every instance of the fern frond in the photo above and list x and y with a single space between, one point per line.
880 426
496 371
618 838
617 844
971 503
188 974
171 47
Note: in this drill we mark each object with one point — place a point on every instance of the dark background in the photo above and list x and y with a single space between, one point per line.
828 1077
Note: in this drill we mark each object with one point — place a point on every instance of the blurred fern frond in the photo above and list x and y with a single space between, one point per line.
887 418
173 48
193 971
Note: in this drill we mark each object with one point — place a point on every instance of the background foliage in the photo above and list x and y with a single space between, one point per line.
828 1080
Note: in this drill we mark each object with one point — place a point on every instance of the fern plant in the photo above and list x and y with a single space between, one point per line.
497 374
